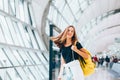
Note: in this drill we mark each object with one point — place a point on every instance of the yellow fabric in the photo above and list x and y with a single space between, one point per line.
89 67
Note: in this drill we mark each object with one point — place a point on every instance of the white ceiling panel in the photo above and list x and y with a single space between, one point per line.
102 44
113 20
106 31
96 9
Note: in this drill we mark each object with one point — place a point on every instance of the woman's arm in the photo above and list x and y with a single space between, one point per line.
81 51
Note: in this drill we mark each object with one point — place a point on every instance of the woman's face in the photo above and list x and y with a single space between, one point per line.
70 32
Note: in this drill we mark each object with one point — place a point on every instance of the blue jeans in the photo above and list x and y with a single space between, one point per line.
67 74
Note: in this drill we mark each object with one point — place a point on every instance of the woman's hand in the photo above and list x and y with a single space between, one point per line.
81 52
74 48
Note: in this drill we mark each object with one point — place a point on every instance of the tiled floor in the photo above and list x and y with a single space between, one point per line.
103 74
100 74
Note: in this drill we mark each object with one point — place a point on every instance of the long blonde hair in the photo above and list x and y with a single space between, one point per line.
61 38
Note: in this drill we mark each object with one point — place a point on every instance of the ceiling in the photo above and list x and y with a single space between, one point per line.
97 21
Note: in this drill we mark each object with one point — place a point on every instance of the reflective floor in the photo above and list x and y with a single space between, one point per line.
101 73
104 74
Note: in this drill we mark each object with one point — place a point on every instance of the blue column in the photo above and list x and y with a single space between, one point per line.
50 52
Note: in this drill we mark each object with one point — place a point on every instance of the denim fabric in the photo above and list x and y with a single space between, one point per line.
67 74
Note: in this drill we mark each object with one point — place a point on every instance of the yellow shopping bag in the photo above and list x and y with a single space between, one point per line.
89 67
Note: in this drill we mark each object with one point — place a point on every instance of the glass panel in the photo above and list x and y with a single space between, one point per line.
18 34
18 57
88 27
111 12
11 57
12 6
4 60
14 75
19 63
8 77
84 5
75 7
63 24
6 30
67 14
44 71
41 57
70 1
32 38
21 73
60 19
93 22
28 38
90 1
21 8
36 73
31 15
40 41
24 57
105 15
59 4
30 61
26 12
24 35
1 4
81 1
55 17
2 40
29 74
47 29
17 9
34 57
3 74
51 10
5 5
1 65
12 31
45 55
98 19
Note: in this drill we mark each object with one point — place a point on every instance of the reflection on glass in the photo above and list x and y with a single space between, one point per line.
20 43
6 30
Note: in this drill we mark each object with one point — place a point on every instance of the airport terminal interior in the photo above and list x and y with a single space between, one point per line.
26 51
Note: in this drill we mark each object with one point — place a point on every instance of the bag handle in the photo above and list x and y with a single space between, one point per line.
73 55
72 51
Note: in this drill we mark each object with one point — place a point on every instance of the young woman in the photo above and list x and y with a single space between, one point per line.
67 42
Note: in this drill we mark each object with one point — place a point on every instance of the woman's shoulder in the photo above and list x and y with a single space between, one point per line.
78 44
